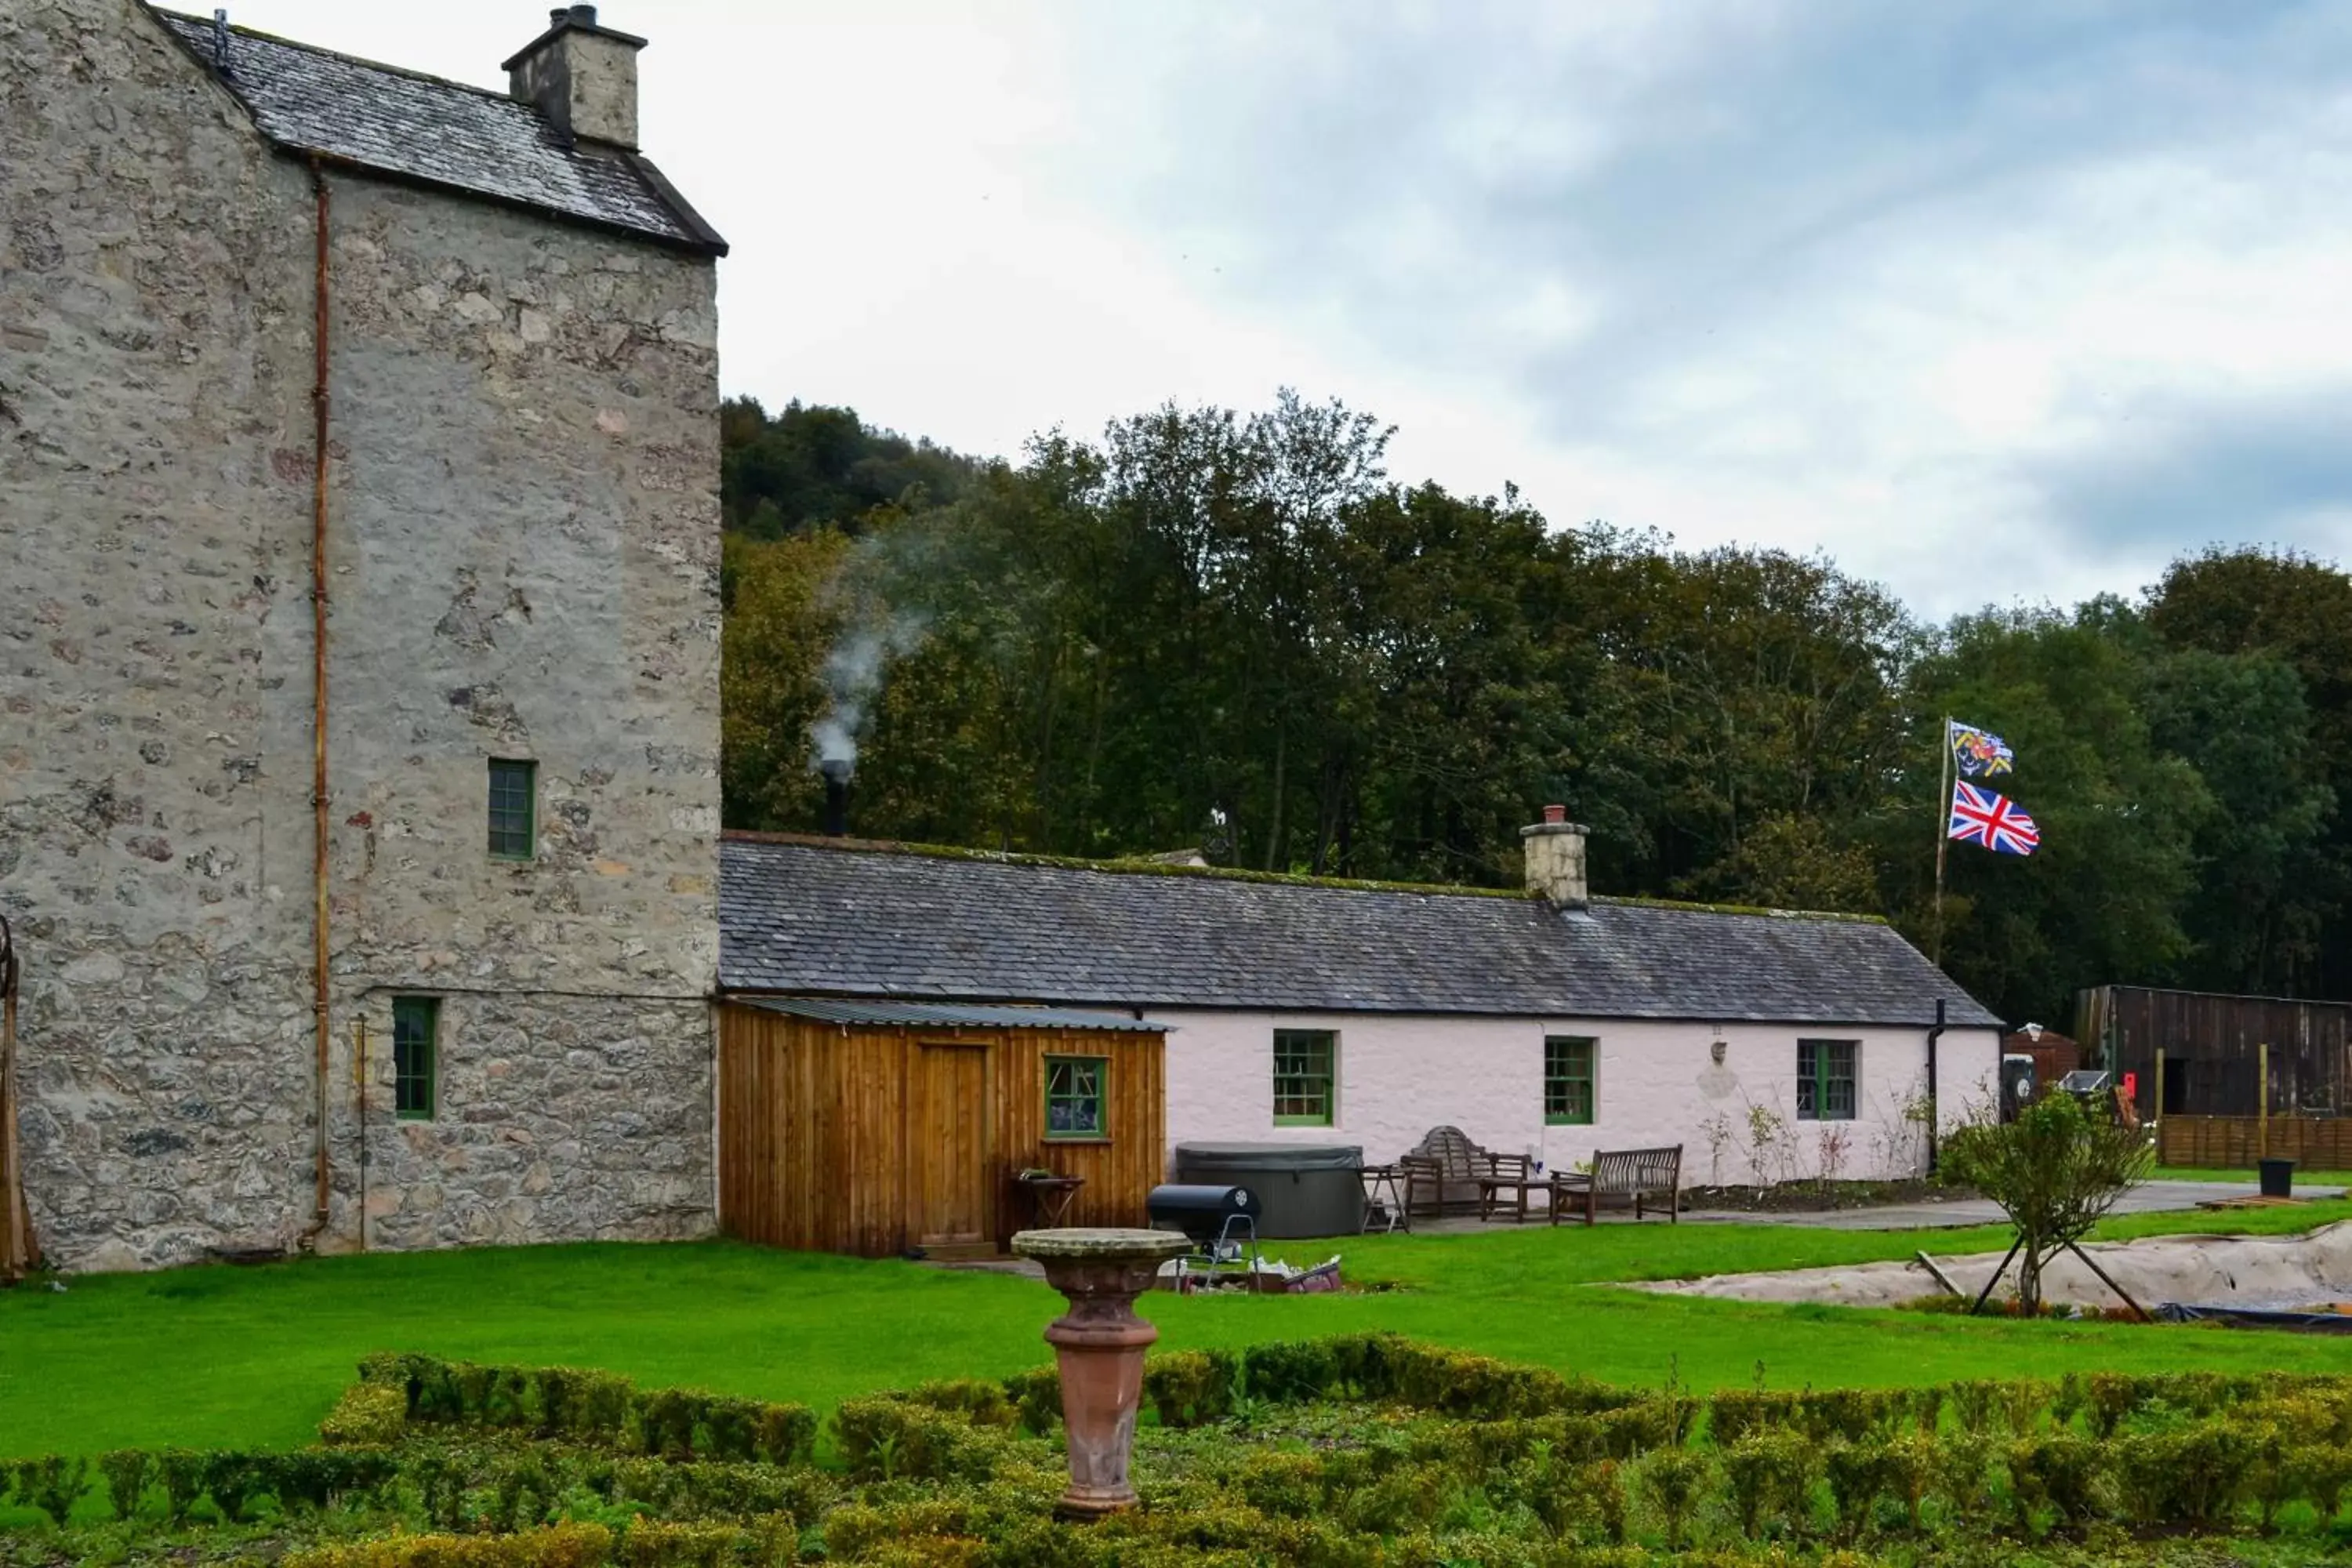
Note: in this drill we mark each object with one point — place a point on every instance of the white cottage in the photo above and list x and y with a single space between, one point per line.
1769 1043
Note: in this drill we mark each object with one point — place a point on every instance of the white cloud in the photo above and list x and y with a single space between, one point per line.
1988 301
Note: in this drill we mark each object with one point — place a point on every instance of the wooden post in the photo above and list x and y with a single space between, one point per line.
2155 1111
19 1253
2262 1099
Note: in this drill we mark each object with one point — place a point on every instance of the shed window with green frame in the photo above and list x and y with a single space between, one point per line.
1074 1097
1825 1072
1570 1099
1303 1077
415 1055
514 809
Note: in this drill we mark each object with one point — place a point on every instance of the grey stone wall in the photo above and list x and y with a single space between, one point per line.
524 541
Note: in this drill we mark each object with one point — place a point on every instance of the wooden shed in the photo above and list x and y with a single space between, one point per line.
2222 1054
876 1127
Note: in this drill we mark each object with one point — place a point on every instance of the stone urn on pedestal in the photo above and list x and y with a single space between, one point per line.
1099 1343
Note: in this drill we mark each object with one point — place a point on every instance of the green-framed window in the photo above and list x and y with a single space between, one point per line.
514 809
415 1055
1826 1079
1303 1077
1570 1092
1075 1100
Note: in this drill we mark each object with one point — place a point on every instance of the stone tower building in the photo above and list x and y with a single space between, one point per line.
358 553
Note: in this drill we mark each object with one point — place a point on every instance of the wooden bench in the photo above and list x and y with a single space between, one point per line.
1621 1178
1441 1174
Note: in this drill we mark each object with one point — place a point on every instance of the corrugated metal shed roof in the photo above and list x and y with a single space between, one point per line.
944 1015
447 133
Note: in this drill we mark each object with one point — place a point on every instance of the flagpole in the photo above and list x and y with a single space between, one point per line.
1943 836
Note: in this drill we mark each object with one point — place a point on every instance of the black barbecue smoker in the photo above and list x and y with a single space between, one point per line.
1221 1221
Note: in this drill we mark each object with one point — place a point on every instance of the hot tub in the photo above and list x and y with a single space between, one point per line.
1309 1189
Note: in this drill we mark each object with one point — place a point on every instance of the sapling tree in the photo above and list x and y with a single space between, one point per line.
2054 1171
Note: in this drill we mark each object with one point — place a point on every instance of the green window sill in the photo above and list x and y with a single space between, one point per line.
1567 1121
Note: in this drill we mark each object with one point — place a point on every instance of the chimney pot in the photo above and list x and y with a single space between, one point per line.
1554 851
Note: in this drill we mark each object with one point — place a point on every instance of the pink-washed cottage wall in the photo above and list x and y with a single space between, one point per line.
1657 1083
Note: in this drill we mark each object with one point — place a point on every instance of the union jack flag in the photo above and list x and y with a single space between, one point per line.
1981 816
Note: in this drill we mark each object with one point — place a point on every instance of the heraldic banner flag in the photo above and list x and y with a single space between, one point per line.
1978 753
1981 816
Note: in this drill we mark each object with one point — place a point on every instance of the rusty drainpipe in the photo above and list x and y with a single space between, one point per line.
321 1021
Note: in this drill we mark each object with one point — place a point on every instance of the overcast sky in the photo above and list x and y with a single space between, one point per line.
1988 301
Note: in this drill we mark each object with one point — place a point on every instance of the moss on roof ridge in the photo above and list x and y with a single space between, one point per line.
1143 866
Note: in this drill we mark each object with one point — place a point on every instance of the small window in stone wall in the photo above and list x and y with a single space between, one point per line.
514 809
415 1055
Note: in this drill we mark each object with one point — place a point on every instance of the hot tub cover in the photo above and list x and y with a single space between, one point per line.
1270 1156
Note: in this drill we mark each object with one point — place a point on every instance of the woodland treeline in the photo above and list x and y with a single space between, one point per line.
1237 631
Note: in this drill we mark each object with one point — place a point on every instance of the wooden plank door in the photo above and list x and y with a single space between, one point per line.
948 1149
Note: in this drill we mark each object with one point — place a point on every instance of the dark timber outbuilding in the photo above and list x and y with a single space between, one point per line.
875 1126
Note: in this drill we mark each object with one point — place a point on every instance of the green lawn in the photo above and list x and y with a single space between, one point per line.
216 1357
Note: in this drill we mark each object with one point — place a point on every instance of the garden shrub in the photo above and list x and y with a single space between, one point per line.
1192 1388
980 1401
1283 1483
558 1546
125 1472
883 1438
1734 1413
182 1472
1909 1462
368 1415
1291 1372
1676 1481
1401 1500
1963 1474
2108 1397
1858 1473
766 1542
1851 1413
2194 1474
2320 1473
230 1481
1768 1475
1038 1395
2058 1472
596 1407
851 1532
1635 1429
52 1484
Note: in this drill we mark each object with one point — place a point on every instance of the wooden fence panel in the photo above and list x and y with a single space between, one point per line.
2235 1142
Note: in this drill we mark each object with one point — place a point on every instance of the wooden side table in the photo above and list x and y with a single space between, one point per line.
1384 1195
1050 1198
1490 1188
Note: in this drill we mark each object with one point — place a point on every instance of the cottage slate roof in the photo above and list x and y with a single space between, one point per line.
857 919
443 134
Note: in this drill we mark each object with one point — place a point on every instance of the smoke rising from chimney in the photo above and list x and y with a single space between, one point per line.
852 678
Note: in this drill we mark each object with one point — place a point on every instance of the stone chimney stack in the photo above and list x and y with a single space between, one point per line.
583 76
1554 850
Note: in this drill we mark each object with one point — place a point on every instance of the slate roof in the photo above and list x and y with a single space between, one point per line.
442 133
853 919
